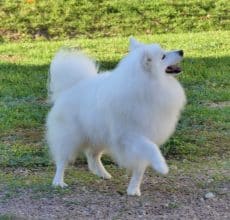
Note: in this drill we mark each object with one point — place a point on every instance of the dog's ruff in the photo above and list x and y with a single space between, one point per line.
127 113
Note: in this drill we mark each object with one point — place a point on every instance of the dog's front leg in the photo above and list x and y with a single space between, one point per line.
144 149
140 152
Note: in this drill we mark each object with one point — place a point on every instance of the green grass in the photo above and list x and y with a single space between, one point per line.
7 217
31 19
203 132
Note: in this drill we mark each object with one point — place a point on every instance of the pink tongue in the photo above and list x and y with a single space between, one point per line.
173 69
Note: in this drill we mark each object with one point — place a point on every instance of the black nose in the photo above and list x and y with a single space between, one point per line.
181 52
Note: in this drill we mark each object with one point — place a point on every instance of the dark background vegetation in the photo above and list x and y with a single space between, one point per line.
63 19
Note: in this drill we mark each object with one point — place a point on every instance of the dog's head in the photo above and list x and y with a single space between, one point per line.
154 59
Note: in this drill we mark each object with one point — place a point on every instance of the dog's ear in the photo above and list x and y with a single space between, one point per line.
133 44
147 61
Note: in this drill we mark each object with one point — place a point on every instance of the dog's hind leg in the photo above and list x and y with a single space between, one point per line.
95 165
59 176
64 153
64 145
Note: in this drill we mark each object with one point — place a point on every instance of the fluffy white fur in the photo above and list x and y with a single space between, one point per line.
127 113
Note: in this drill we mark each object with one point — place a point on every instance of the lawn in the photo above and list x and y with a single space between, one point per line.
198 151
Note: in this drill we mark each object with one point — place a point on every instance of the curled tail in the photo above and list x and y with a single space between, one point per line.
67 68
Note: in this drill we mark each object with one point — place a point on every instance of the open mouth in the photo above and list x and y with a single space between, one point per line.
173 69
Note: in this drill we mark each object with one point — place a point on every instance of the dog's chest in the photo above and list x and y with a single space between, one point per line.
160 112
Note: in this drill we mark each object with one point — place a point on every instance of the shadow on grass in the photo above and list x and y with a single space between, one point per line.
33 78
206 63
12 68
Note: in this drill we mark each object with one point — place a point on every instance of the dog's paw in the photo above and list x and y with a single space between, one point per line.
106 176
162 168
101 173
133 192
59 184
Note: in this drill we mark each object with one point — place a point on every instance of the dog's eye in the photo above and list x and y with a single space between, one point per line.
163 57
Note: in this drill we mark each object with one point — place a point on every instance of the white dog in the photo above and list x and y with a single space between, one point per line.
127 113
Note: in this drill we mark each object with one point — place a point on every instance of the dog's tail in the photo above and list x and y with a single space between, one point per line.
67 68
